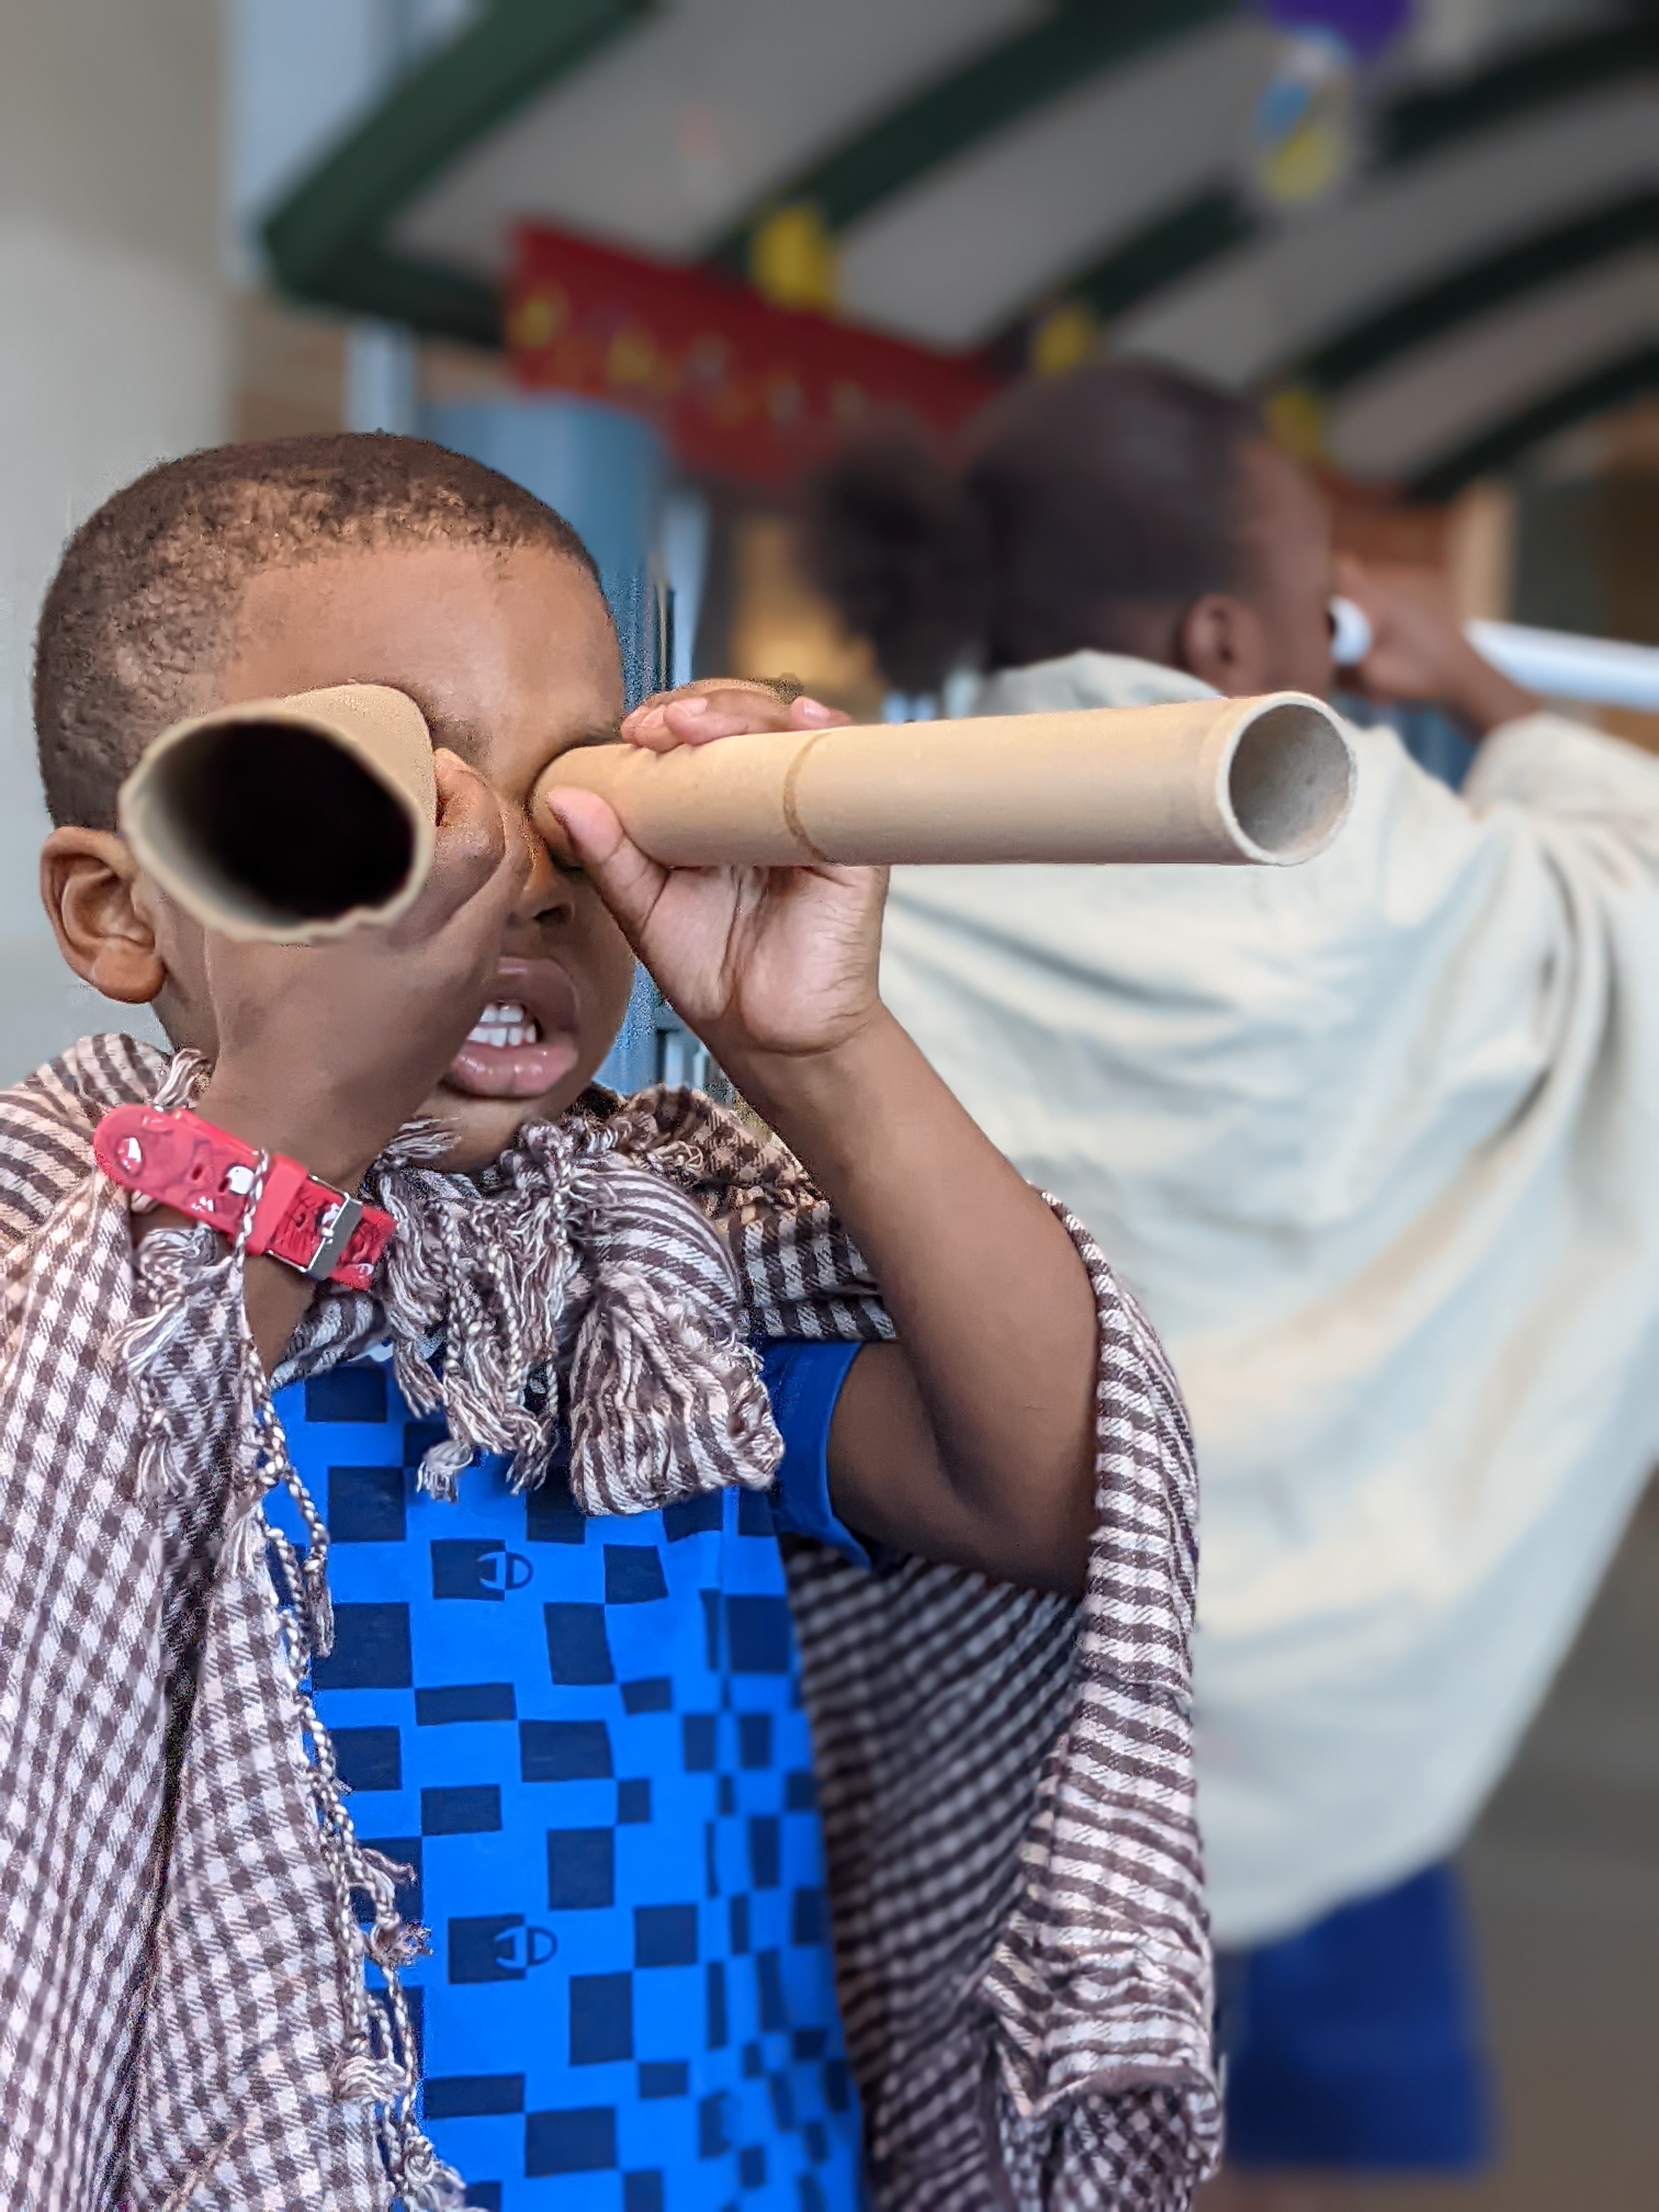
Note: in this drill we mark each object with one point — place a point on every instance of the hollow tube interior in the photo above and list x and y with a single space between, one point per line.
1290 781
281 821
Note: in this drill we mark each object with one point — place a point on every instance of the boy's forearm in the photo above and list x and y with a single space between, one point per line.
992 1304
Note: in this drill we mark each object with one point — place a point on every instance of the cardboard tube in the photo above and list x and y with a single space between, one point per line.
1268 780
288 819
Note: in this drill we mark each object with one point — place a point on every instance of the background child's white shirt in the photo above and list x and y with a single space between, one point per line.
1377 1142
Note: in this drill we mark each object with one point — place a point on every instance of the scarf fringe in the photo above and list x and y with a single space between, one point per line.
571 1287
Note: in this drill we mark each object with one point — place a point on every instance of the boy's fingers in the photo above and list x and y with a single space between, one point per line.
627 881
807 714
723 711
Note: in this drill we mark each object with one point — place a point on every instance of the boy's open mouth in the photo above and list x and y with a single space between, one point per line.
526 1039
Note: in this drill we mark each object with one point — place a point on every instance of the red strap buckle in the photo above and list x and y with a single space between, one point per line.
182 1161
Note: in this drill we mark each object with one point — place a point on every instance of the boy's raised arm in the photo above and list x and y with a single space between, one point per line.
970 1439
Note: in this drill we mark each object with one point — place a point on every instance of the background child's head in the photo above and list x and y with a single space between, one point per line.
1126 507
250 571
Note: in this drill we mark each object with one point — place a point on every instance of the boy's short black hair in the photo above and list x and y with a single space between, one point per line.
136 616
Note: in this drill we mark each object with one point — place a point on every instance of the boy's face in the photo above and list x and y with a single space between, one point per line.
511 657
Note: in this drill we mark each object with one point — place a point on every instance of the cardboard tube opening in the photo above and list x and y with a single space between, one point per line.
1289 781
288 820
281 821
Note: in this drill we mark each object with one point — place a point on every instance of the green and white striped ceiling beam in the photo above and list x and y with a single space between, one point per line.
1630 376
327 242
947 119
1472 289
1219 219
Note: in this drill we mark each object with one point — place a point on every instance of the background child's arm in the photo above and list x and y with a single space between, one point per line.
971 1439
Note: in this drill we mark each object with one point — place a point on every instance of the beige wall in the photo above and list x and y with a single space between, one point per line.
113 354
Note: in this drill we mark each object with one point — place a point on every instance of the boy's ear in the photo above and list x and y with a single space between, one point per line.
1221 641
90 887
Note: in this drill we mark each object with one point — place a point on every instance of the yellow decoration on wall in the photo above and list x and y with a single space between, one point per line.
1306 163
1296 419
1065 338
537 318
793 259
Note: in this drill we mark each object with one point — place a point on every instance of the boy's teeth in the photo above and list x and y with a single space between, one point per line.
504 1025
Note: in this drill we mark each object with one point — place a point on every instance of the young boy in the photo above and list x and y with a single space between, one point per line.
561 1679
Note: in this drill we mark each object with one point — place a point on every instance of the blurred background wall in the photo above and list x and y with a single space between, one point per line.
116 353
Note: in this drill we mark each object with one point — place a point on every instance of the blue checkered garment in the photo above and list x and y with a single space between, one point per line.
586 1737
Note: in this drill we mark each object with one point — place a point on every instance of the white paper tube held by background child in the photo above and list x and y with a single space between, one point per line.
288 819
1268 780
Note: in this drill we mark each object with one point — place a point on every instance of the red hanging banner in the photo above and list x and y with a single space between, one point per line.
739 388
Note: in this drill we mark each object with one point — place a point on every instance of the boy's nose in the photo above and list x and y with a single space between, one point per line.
547 895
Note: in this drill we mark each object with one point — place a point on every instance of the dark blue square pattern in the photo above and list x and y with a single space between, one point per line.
349 1393
564 1751
366 1505
754 1740
551 1517
419 1438
570 2143
471 2096
664 1935
754 1514
711 2125
369 1757
465 1701
691 1516
473 1808
581 1869
371 1644
663 2077
578 1651
653 1694
643 2191
769 1981
765 1851
632 1575
601 2018
760 1634
781 2090
634 1801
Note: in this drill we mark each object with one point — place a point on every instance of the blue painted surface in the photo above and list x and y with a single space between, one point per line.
601 469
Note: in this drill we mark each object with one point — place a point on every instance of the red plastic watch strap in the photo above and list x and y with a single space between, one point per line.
182 1161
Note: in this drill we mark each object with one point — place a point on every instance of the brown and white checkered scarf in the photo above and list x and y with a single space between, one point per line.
1005 1776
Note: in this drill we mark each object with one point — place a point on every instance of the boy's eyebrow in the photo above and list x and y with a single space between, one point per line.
469 741
449 731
